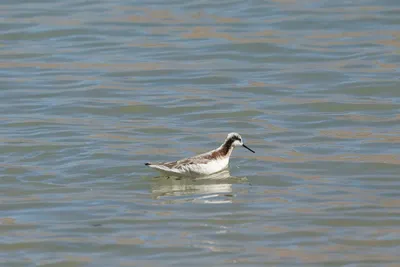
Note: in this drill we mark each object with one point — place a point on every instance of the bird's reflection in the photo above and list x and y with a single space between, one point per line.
216 188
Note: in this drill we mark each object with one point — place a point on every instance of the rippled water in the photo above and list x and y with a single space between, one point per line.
90 90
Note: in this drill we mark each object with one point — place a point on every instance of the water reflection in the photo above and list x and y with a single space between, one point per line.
216 188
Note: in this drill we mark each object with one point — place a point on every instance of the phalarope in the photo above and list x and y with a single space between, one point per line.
204 164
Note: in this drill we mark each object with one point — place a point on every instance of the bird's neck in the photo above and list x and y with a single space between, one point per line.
226 148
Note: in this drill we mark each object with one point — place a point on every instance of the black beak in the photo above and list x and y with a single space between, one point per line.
248 148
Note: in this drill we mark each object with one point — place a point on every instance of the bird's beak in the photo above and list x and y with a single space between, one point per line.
248 148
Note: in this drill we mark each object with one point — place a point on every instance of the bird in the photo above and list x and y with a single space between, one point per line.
204 164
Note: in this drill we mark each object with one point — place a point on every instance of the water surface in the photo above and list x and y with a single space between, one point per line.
90 90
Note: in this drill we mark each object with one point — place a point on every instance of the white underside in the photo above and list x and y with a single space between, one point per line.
194 170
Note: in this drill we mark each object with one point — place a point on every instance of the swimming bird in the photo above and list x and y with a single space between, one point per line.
204 164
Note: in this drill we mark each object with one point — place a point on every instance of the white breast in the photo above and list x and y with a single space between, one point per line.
208 168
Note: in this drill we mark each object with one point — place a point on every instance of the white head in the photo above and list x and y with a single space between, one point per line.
236 140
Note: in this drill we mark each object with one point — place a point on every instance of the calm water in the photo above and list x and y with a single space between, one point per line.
90 90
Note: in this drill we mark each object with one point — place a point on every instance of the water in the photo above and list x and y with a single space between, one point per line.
90 90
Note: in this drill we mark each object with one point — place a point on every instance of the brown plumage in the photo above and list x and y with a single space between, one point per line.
203 164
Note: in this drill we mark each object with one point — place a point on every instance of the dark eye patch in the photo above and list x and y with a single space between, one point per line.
234 138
